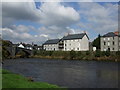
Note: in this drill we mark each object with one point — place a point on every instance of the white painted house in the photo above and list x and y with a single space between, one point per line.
25 46
21 46
51 45
76 42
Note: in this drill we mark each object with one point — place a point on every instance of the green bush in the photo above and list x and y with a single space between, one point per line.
97 53
5 53
72 54
107 53
118 53
87 52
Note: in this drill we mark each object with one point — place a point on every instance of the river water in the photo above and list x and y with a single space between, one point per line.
67 73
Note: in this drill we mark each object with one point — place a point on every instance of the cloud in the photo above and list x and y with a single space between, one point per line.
53 18
53 13
99 18
17 36
15 11
49 13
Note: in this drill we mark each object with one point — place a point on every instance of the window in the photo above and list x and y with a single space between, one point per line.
104 43
113 43
70 44
113 49
54 49
77 48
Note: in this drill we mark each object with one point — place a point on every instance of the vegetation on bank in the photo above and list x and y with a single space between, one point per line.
11 80
79 55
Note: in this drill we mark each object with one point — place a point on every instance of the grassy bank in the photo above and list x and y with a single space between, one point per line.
79 55
11 80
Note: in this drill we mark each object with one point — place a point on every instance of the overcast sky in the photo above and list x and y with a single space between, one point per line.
36 22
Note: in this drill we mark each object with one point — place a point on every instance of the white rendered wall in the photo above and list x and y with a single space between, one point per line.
73 44
84 44
51 47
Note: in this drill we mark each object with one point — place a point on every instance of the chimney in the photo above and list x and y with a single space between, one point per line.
116 33
84 31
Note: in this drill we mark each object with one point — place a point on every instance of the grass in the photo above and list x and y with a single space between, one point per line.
11 80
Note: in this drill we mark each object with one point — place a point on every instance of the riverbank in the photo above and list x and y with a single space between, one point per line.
79 55
11 80
85 58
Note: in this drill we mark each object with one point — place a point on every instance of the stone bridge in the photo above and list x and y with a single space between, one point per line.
14 50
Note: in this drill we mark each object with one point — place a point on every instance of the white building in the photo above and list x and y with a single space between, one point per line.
25 46
76 42
21 46
110 41
51 45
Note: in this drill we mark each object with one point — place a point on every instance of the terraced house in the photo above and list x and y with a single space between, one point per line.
110 42
76 42
51 45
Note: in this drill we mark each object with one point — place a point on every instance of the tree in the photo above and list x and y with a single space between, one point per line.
96 42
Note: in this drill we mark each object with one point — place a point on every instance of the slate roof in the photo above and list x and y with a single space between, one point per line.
74 36
52 41
110 34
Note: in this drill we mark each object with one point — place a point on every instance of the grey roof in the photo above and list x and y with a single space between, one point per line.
110 34
52 41
74 36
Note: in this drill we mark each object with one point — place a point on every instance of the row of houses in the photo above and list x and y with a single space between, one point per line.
80 42
28 46
77 42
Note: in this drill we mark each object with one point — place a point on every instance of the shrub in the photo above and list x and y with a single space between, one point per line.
98 53
72 54
118 53
87 53
107 53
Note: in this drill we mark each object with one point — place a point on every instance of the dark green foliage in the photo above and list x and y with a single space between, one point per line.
96 42
118 53
5 53
72 54
107 53
98 53
6 43
78 55
87 52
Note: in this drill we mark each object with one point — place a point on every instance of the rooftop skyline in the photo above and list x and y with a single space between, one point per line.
38 21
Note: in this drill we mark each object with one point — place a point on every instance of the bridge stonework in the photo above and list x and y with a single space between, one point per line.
13 51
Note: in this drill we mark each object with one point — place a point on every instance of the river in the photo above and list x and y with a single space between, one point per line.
67 73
